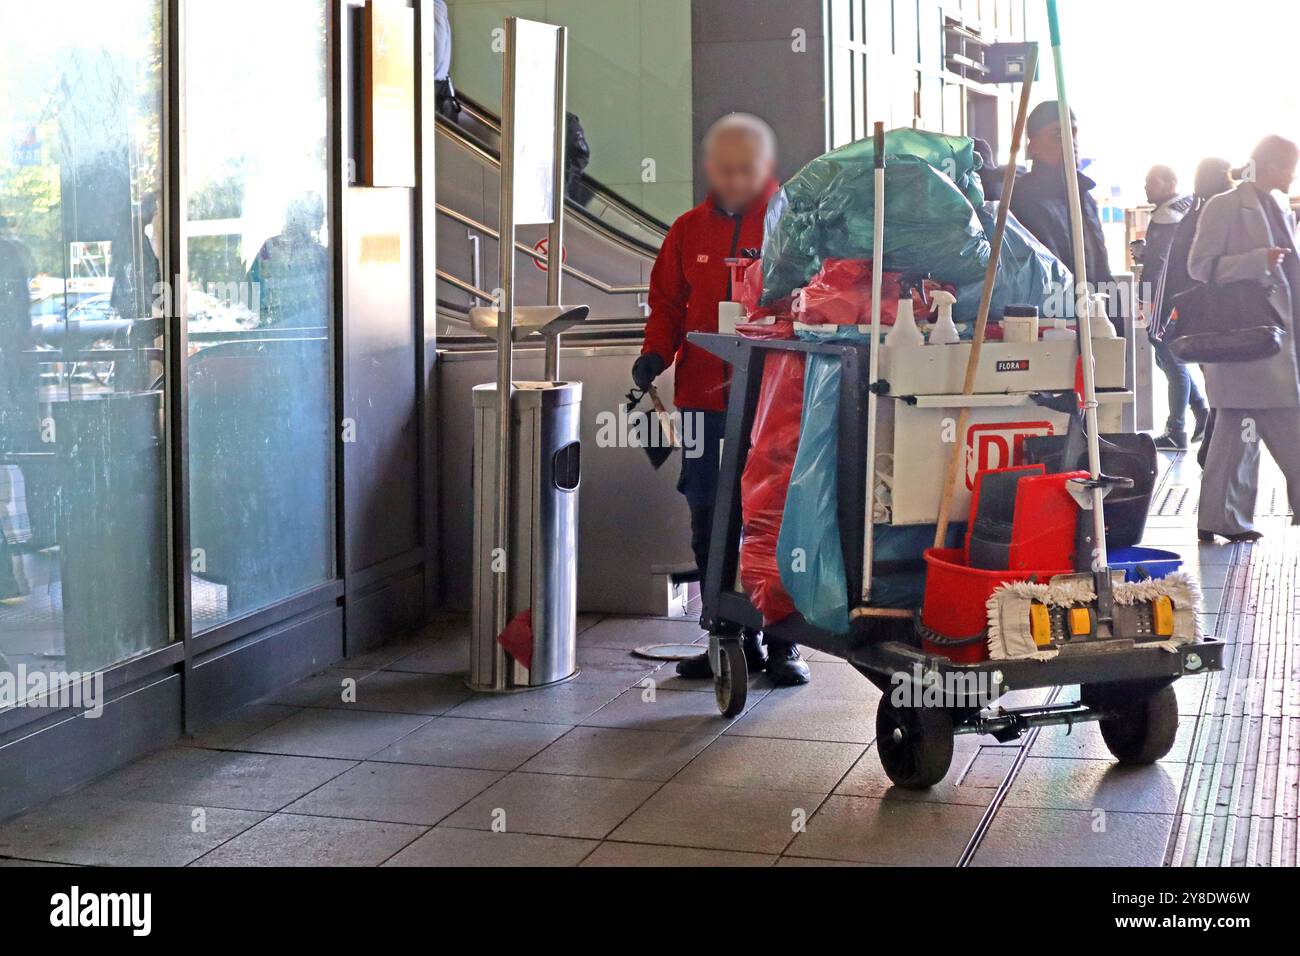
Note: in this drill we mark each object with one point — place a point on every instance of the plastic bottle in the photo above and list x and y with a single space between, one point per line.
1101 325
905 333
1058 331
944 331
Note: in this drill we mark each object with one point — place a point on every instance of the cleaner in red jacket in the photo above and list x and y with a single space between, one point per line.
689 279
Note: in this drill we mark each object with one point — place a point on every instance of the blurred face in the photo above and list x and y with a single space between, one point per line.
737 168
1045 145
1159 188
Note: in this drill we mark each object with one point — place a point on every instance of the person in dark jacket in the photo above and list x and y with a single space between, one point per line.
1040 202
1170 208
690 278
1213 176
990 172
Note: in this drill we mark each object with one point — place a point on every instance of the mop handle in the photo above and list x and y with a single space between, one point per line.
873 374
986 300
1083 318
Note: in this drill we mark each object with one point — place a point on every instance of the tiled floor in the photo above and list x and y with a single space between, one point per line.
390 760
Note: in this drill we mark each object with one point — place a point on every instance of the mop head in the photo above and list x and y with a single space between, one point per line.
1010 612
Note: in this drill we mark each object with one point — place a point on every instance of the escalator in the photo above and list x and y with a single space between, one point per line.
610 244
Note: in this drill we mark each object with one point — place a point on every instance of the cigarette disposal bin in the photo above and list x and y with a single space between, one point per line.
542 557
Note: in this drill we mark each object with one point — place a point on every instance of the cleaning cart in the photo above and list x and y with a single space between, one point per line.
928 696
1028 598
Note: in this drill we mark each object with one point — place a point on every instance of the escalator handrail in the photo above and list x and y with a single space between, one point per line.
486 117
647 222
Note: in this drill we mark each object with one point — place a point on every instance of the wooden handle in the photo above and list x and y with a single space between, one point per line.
986 300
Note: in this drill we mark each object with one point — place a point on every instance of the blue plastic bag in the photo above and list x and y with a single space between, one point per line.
1028 274
808 547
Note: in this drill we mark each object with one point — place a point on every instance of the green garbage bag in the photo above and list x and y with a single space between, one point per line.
827 210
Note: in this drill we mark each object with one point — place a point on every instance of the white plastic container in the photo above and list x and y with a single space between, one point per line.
1102 327
944 331
905 333
1058 331
1020 324
730 314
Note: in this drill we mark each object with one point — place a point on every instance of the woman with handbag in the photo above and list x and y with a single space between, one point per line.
1246 239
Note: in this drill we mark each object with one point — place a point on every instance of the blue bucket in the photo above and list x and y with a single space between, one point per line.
1139 562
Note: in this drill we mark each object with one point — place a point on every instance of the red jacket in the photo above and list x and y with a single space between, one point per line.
689 279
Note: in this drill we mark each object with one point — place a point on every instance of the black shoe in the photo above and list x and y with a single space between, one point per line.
1241 537
785 666
1172 441
1202 416
698 667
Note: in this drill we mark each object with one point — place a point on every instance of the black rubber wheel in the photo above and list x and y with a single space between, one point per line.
914 744
1142 726
731 683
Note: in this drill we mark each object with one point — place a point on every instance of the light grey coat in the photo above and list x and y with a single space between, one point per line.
1234 230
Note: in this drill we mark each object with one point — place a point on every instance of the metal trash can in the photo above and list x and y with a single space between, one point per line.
543 554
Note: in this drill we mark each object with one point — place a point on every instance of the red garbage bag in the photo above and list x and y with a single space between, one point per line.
840 294
774 440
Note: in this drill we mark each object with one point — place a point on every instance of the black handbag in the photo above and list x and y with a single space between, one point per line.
1224 322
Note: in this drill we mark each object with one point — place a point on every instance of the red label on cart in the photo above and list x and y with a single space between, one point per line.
998 445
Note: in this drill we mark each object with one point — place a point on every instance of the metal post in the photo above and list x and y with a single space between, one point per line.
555 236
505 326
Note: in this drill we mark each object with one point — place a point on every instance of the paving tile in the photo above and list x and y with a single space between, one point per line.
450 846
1072 784
476 744
765 763
1084 740
893 832
801 713
396 793
973 779
345 734
1035 837
665 710
719 818
319 689
92 830
385 654
645 854
288 839
629 633
563 704
554 805
611 752
612 665
217 778
841 681
449 655
666 679
811 861
396 692
238 726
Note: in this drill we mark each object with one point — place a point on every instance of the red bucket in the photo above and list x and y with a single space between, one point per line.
955 603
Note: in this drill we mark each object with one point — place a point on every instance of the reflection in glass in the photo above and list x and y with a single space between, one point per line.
261 413
83 544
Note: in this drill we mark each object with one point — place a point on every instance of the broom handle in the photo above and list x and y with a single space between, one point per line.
1082 314
986 300
873 375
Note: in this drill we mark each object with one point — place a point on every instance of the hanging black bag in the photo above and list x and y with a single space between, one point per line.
1224 322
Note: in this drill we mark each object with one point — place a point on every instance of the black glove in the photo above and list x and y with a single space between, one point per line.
646 369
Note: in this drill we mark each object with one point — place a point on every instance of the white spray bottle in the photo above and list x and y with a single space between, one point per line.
944 331
1099 321
905 333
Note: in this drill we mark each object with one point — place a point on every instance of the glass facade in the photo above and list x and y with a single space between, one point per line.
260 407
83 478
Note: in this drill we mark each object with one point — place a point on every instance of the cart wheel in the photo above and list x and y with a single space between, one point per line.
914 743
1143 727
731 683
